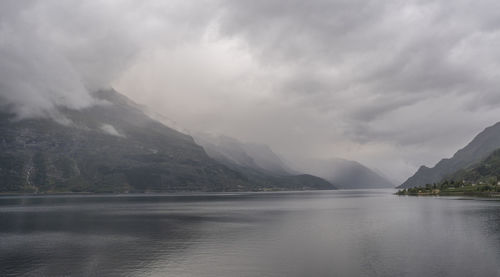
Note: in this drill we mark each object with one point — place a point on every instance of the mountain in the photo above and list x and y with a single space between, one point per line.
478 149
255 159
487 171
346 174
231 151
257 162
113 147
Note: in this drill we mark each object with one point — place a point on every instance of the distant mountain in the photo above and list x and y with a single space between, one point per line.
114 147
257 162
478 149
346 174
256 159
231 152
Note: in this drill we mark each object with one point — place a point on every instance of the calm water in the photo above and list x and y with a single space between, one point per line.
334 233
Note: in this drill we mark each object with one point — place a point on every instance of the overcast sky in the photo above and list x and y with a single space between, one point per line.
391 84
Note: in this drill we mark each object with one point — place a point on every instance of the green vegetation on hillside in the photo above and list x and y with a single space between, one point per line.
481 179
451 188
476 151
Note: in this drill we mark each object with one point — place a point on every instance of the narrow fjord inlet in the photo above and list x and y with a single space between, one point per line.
249 138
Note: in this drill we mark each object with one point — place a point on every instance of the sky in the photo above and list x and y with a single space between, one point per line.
391 84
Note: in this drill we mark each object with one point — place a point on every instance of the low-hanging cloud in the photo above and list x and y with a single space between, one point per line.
56 53
393 84
34 78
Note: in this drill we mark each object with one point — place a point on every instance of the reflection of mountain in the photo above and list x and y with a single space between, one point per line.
114 147
478 149
77 230
346 174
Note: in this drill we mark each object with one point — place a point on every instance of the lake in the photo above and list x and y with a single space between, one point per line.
320 233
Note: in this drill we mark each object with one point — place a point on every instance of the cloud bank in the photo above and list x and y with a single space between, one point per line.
391 84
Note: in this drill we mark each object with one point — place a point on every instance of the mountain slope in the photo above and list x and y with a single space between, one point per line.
111 147
487 171
478 149
257 162
252 159
231 151
347 174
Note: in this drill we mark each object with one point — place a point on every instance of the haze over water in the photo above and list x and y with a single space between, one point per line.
324 233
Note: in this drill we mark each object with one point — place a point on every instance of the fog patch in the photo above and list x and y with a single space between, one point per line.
110 130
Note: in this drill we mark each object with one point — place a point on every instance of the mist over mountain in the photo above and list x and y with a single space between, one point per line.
108 166
114 146
216 67
256 161
346 174
110 147
478 149
232 151
343 173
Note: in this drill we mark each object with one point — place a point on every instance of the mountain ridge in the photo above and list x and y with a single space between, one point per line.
347 174
256 161
341 173
486 171
112 146
229 150
482 145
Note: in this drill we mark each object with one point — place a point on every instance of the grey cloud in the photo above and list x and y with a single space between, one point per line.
390 47
55 53
35 78
405 52
403 82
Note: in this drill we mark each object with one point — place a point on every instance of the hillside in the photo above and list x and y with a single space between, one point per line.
231 151
110 147
481 179
486 171
478 149
346 174
258 163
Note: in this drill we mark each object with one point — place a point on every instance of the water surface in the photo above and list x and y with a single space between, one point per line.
323 233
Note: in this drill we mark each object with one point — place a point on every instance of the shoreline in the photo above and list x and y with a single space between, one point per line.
7 194
473 194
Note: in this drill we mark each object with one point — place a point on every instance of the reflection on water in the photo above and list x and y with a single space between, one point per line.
334 233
